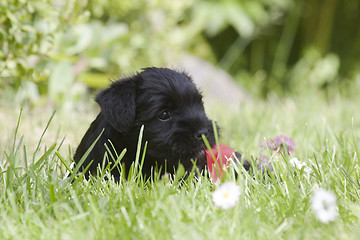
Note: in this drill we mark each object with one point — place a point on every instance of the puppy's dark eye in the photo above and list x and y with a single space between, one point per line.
165 115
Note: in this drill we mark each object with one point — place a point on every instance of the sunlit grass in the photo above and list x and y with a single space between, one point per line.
40 201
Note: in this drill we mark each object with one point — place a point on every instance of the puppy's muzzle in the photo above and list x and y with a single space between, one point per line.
200 133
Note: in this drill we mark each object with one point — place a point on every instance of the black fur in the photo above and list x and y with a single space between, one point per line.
171 109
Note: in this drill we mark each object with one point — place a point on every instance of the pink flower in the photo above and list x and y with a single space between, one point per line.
280 143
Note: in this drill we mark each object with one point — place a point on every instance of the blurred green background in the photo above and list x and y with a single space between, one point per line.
56 50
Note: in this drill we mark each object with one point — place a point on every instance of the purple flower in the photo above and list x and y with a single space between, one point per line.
280 143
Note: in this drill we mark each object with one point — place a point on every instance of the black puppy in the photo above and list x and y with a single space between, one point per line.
171 109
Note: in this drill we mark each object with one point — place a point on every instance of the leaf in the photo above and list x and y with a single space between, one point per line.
216 19
94 80
240 20
83 35
60 80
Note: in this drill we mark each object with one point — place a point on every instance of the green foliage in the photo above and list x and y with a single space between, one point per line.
303 37
28 31
268 46
125 36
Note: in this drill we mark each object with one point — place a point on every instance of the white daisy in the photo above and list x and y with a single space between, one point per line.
299 165
226 195
324 205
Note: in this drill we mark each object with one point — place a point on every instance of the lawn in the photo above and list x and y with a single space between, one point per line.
39 201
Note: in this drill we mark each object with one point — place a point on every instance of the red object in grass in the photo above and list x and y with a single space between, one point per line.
218 162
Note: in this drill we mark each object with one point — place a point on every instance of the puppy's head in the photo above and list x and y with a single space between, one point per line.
170 107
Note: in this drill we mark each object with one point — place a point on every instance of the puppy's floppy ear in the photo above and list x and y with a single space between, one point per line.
118 103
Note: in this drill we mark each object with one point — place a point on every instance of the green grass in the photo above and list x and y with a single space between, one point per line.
38 201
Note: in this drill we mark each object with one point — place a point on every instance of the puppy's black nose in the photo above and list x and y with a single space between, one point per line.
201 132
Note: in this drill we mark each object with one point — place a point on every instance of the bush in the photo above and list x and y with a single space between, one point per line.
28 30
275 45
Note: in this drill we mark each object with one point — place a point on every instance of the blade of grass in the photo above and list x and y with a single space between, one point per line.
137 158
16 131
63 161
83 158
42 135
